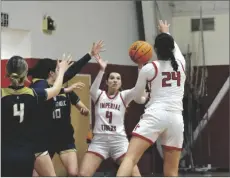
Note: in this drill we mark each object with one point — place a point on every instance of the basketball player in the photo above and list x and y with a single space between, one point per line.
19 109
61 139
109 138
163 114
43 75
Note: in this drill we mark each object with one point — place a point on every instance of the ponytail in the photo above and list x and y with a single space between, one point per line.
164 46
15 79
16 70
174 62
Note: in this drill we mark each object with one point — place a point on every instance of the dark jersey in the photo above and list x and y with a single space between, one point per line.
62 109
61 121
44 129
19 111
46 109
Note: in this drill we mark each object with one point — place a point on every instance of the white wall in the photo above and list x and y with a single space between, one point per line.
15 42
216 43
166 12
151 17
79 23
149 20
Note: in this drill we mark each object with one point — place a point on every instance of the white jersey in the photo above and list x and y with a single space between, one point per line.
109 114
166 85
110 110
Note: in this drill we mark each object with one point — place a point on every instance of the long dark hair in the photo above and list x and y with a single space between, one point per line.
43 68
16 70
164 46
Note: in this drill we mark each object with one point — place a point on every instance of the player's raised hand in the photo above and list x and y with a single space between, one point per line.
65 63
163 26
101 62
97 48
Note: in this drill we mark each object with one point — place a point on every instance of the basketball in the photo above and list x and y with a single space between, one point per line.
141 52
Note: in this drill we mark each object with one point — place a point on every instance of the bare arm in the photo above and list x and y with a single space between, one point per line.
77 85
128 95
94 89
177 53
82 108
62 67
146 73
76 101
164 28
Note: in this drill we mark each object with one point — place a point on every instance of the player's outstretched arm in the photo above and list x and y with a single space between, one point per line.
94 89
128 95
76 101
164 28
82 108
145 74
78 65
77 85
61 68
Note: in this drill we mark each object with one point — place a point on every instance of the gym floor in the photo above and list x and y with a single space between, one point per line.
184 174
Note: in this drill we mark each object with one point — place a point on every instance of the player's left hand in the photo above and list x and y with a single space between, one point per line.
97 48
65 63
77 85
84 111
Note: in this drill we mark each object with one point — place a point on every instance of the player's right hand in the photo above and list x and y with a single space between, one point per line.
163 26
101 62
65 63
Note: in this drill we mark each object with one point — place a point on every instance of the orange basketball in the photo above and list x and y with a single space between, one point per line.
141 52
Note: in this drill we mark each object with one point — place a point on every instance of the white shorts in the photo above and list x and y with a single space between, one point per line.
168 126
106 146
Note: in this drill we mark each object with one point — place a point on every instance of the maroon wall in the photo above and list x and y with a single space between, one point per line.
217 131
217 128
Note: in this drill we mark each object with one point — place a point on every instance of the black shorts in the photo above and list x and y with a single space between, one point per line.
17 161
62 141
43 137
62 148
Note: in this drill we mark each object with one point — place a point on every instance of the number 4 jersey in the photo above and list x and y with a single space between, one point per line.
109 114
19 111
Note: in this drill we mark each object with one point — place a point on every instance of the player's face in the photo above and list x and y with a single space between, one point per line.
114 81
54 75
